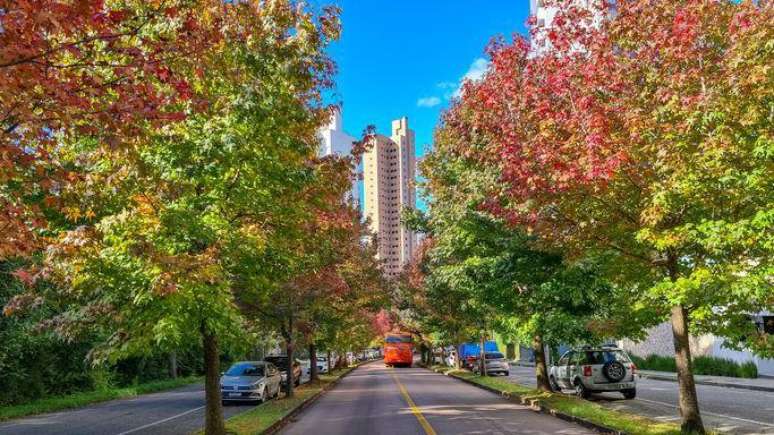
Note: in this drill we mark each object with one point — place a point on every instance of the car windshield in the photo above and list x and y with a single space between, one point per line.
245 369
603 356
494 355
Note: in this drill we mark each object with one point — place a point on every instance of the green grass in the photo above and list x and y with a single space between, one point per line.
629 423
258 419
77 400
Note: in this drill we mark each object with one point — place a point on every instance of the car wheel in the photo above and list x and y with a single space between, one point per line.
224 402
614 371
554 386
630 393
581 390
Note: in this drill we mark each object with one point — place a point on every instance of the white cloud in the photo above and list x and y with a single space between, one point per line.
450 89
475 72
428 102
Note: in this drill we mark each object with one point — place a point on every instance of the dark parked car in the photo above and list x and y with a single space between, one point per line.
281 361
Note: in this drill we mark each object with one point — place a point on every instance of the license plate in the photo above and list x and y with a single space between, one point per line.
234 394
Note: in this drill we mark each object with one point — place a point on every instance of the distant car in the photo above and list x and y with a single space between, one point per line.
496 363
595 370
254 381
281 362
437 356
322 365
451 357
470 362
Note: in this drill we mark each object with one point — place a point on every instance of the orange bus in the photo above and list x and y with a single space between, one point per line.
398 349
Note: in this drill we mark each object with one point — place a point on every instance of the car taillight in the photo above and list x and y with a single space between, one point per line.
586 370
634 369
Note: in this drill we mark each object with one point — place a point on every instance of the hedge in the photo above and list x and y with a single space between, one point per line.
702 365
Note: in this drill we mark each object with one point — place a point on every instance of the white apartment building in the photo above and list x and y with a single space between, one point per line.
544 20
335 141
543 15
389 167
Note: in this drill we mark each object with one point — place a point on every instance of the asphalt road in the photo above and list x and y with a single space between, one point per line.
723 409
179 411
377 400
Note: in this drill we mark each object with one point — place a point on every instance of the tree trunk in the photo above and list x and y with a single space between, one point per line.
443 356
541 370
688 401
510 351
330 369
458 361
213 423
290 384
482 357
313 376
173 365
289 352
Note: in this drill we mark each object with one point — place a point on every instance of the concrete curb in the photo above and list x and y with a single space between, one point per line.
711 383
282 422
535 405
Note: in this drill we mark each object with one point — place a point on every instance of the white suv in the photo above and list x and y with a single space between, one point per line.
595 370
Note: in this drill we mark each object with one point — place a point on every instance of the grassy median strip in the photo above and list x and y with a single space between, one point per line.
77 400
589 411
260 418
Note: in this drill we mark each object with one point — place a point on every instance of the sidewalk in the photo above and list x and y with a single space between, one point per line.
759 384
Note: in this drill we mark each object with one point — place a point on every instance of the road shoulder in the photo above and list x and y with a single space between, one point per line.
584 413
272 416
82 399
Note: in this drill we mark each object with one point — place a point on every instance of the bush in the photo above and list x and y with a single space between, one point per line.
702 365
705 365
658 363
36 365
748 370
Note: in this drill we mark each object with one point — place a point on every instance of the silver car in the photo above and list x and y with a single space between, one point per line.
595 370
495 363
253 381
322 366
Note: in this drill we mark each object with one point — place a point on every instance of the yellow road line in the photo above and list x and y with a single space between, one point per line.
414 409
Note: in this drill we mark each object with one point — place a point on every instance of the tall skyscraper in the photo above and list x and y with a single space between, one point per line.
389 168
334 140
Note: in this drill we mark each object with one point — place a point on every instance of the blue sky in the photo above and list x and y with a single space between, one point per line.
403 58
406 58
